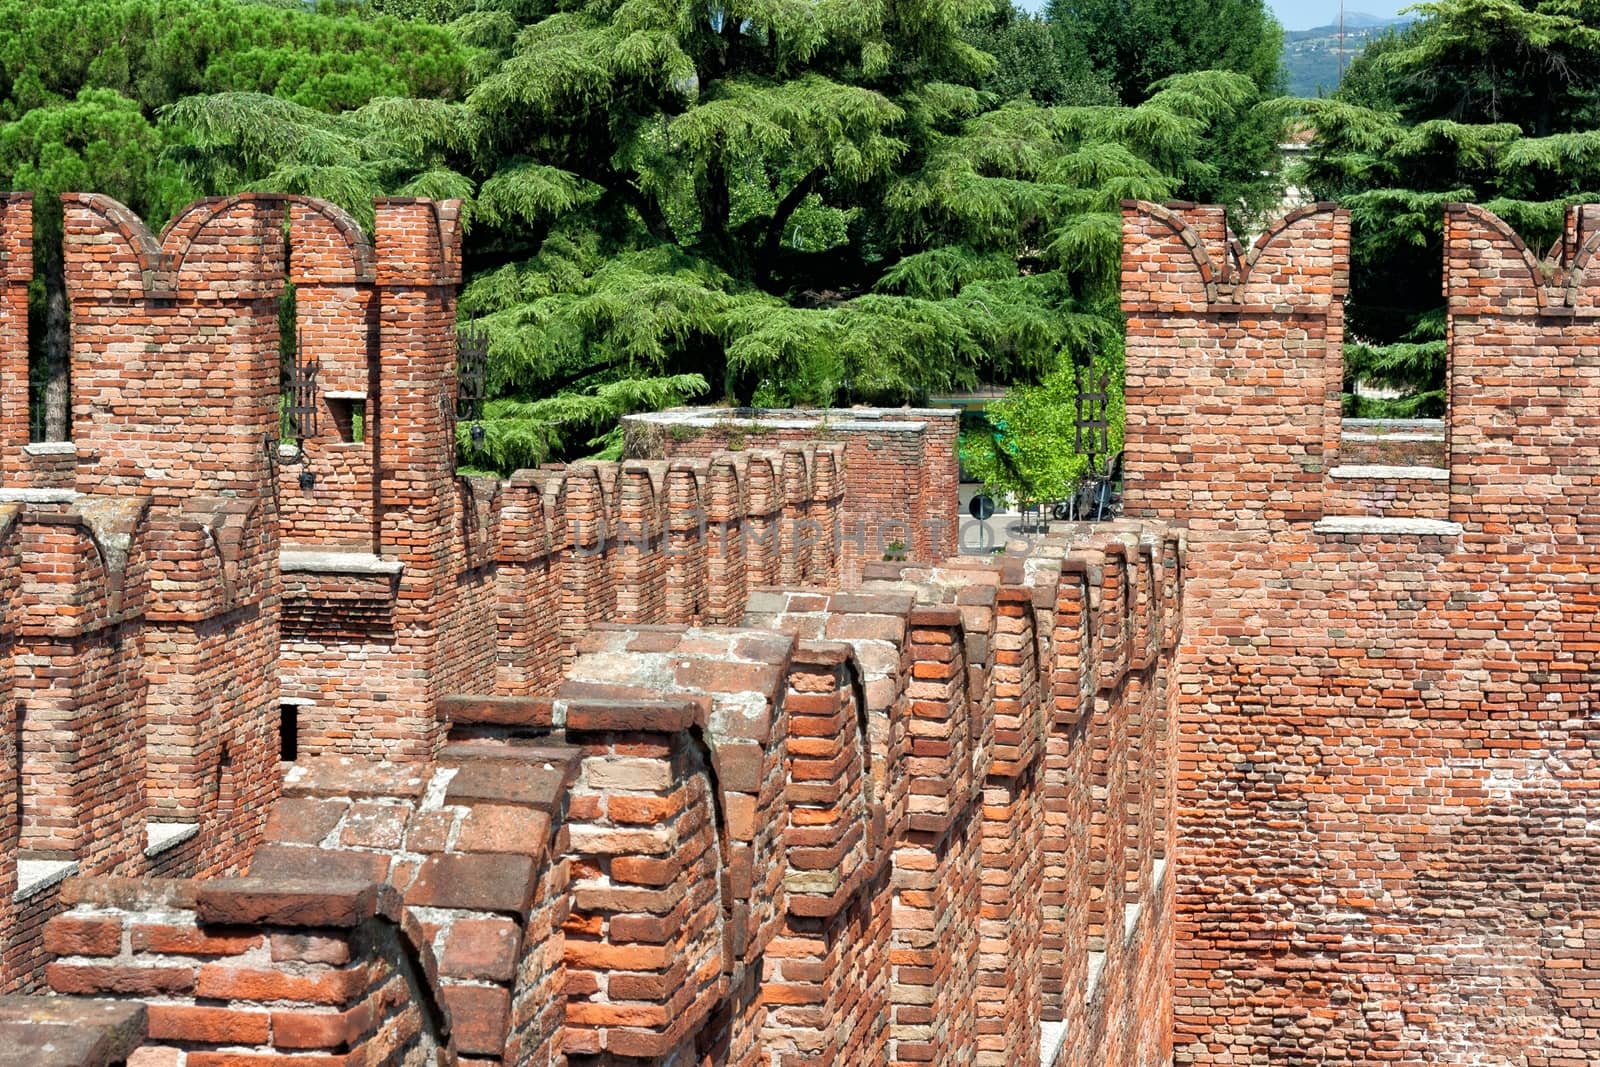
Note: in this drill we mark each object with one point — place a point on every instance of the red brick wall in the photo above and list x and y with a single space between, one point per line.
822 840
10 775
1386 751
336 325
682 542
900 473
16 271
367 653
1240 438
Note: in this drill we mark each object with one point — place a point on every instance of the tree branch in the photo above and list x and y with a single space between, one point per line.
786 208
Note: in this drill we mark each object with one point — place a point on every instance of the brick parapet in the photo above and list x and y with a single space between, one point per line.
895 481
651 542
1338 665
818 835
1235 368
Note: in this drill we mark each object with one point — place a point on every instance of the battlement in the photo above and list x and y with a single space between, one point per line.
1235 365
1387 681
903 463
331 756
853 828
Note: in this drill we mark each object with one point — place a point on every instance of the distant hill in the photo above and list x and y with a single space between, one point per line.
1311 57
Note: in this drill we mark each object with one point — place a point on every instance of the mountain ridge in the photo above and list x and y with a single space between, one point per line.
1311 57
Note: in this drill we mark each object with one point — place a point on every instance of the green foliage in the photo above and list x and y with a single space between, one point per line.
1138 46
1028 449
158 51
1136 43
1491 101
520 433
1034 60
818 203
806 204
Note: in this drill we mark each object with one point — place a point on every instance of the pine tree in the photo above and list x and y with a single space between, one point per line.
809 204
1491 101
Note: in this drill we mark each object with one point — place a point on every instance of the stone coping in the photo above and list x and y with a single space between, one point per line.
1366 524
884 420
69 1031
1381 472
35 876
162 836
1423 425
316 562
39 496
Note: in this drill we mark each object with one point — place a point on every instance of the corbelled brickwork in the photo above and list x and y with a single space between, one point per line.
1388 777
819 836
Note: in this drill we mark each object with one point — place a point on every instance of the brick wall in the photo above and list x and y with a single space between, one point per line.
900 466
142 621
1386 776
681 542
816 837
698 816
16 271
391 600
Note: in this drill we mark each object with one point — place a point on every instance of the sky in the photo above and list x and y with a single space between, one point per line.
1304 14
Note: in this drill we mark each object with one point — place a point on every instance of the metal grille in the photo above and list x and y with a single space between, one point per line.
301 412
472 373
1090 430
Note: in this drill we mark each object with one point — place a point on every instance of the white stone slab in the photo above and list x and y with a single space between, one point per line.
1379 472
160 836
1367 524
35 876
338 563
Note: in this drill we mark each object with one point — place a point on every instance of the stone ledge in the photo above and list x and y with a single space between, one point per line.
1404 436
295 899
1378 472
162 836
50 448
1097 966
39 496
1365 524
35 876
68 1031
1052 1036
338 563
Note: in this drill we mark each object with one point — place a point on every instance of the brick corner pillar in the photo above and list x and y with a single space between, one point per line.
16 271
417 272
1233 365
175 402
11 749
1521 452
336 329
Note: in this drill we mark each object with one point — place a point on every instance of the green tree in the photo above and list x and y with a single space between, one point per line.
1032 59
803 204
1135 44
1492 101
1028 446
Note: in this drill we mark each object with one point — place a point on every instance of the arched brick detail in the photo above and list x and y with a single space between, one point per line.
1488 267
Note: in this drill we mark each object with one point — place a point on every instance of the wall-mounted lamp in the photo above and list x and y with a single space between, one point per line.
301 411
472 380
